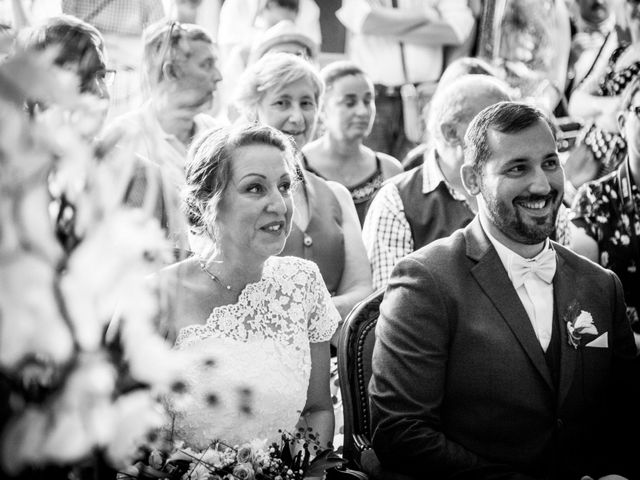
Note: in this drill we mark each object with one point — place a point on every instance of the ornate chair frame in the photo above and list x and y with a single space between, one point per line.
354 368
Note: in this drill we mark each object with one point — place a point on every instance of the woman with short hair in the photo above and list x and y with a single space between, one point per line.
284 91
347 115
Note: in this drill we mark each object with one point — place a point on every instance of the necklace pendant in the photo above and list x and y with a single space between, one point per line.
214 277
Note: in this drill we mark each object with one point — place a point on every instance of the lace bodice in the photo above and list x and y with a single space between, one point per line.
260 347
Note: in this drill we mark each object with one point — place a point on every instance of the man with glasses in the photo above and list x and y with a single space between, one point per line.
180 71
80 50
121 22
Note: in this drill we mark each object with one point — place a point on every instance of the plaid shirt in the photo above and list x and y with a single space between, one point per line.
128 17
386 231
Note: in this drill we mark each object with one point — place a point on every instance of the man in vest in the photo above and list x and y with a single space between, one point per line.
429 201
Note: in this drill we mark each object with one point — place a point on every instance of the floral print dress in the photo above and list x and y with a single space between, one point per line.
598 209
609 148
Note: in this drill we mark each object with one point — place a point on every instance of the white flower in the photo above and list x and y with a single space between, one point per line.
198 472
109 266
30 319
68 440
150 358
137 414
24 211
581 325
584 323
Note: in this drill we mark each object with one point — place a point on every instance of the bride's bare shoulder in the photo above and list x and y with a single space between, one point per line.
177 274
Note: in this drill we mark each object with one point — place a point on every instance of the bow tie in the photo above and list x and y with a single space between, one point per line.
544 266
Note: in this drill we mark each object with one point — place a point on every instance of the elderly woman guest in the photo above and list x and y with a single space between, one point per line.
267 319
283 90
347 114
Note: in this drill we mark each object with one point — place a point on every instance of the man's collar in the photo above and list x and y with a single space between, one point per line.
432 175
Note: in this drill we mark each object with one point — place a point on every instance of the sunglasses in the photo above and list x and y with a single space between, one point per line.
166 52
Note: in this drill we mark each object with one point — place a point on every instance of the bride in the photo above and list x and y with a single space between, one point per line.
255 327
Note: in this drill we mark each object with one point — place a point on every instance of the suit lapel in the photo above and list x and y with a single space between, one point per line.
494 281
563 292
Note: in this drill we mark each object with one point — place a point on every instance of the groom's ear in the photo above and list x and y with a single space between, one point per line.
470 179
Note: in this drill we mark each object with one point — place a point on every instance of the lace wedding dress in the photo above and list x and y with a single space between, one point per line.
249 363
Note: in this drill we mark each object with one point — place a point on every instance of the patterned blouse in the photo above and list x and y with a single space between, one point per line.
363 192
598 209
609 148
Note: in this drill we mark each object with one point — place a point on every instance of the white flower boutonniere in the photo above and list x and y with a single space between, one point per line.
580 326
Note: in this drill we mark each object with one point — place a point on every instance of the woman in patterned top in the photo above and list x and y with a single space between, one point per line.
606 212
347 116
598 98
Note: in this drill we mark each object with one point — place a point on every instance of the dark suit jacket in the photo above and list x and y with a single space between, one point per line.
460 385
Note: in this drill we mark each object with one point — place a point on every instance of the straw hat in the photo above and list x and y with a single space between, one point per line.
284 32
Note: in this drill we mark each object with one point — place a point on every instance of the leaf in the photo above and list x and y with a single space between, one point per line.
286 453
324 460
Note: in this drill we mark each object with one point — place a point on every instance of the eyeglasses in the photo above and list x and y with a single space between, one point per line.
103 75
107 76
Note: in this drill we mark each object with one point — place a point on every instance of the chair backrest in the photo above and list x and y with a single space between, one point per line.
355 349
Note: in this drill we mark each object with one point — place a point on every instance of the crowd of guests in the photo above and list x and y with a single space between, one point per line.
291 192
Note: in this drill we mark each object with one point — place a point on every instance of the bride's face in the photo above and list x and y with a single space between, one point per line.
254 216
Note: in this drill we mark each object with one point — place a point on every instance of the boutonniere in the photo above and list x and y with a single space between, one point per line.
580 327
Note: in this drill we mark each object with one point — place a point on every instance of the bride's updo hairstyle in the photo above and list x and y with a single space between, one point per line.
209 164
271 72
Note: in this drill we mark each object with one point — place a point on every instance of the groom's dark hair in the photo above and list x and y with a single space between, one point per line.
503 117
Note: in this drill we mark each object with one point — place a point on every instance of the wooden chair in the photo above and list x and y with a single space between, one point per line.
355 349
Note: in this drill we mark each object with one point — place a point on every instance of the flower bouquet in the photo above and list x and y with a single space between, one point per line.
295 457
69 397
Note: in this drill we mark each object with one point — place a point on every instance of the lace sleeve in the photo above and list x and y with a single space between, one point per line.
322 316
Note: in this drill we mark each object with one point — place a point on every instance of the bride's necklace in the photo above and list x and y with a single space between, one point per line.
213 277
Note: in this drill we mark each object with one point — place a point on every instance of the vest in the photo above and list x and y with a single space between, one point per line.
323 240
433 215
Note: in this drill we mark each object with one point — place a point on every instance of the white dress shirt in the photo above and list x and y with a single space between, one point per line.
535 294
380 55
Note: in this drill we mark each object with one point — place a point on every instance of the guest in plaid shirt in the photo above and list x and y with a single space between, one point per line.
429 201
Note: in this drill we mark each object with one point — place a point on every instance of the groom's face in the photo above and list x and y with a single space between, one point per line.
522 184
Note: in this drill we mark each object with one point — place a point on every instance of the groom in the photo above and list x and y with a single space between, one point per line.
497 350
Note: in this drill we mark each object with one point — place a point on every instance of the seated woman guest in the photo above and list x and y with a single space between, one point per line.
348 111
283 91
267 319
606 212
